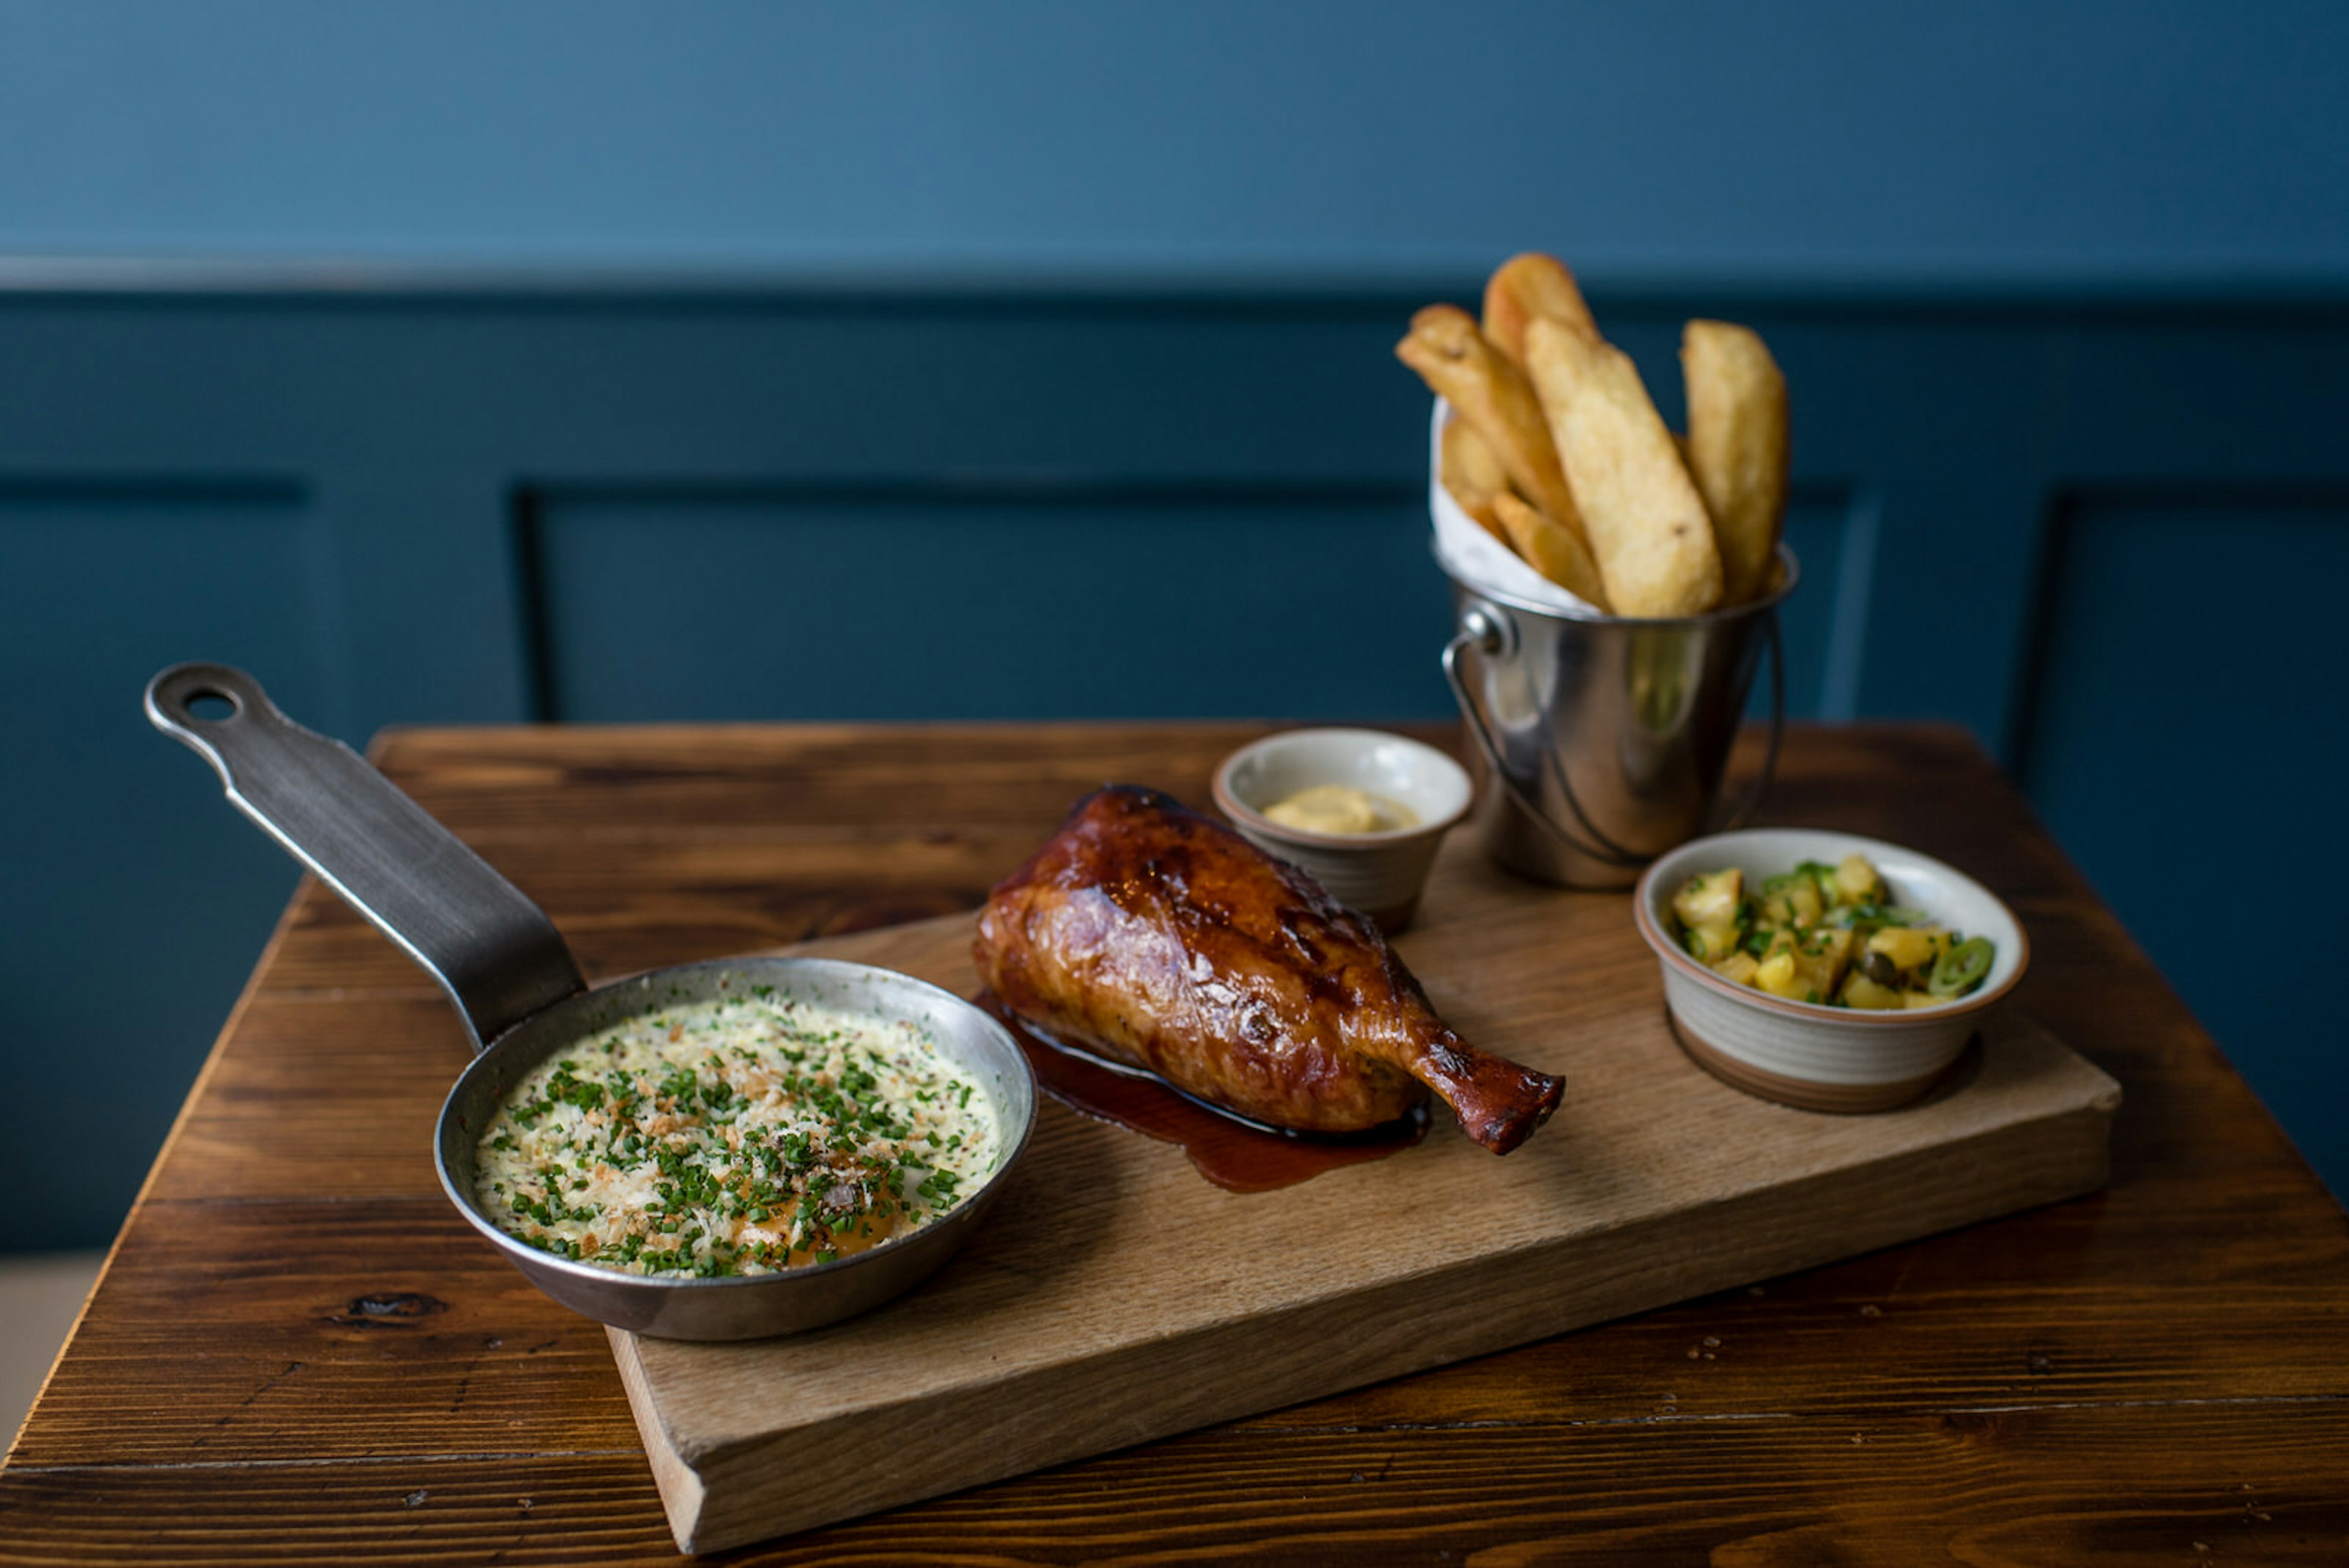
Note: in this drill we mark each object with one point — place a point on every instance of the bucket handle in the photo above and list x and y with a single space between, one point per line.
1495 636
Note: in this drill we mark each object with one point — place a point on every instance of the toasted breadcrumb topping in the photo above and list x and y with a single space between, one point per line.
737 1137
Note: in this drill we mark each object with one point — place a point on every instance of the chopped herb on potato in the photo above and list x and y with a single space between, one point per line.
1828 934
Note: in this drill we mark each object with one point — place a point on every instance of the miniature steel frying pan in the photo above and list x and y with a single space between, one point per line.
512 978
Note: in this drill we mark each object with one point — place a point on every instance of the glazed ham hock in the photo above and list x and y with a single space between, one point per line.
1147 934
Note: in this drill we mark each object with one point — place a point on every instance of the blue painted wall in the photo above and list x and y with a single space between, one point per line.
1811 141
383 352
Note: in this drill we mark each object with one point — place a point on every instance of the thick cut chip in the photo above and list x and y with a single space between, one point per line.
1473 474
1551 550
1737 449
1469 458
1488 392
1640 511
1527 286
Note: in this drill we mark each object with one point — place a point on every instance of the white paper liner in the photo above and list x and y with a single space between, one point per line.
1474 557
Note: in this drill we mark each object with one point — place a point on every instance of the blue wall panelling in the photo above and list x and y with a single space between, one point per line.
2103 537
2187 738
1997 142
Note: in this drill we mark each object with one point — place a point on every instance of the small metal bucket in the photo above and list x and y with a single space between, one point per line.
1604 740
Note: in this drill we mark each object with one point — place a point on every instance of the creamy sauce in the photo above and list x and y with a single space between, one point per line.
1341 808
737 1137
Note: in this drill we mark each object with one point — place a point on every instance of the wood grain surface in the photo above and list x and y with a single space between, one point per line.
1652 1183
298 1353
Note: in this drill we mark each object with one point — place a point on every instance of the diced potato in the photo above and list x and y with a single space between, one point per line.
1710 942
1910 947
1711 901
1861 991
1777 974
1819 959
1801 935
1856 881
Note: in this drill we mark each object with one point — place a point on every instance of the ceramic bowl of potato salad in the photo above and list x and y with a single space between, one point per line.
1823 970
737 1136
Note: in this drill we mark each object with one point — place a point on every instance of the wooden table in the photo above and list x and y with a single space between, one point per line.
298 1352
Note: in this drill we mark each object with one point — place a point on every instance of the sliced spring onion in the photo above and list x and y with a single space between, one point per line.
1961 969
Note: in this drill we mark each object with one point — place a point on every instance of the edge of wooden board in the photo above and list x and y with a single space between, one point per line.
783 1482
683 1496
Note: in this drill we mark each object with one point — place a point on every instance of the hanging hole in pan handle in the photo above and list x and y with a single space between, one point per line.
191 697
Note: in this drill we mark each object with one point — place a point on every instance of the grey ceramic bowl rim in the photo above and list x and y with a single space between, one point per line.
1228 802
1643 914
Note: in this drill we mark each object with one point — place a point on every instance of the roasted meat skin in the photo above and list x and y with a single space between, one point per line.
1148 934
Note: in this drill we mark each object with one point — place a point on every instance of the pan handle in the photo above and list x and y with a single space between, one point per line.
494 951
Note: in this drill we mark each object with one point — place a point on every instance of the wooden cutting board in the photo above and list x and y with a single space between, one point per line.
1114 1297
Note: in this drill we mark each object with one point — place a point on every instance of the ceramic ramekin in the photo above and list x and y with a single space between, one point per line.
1804 1054
1379 874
